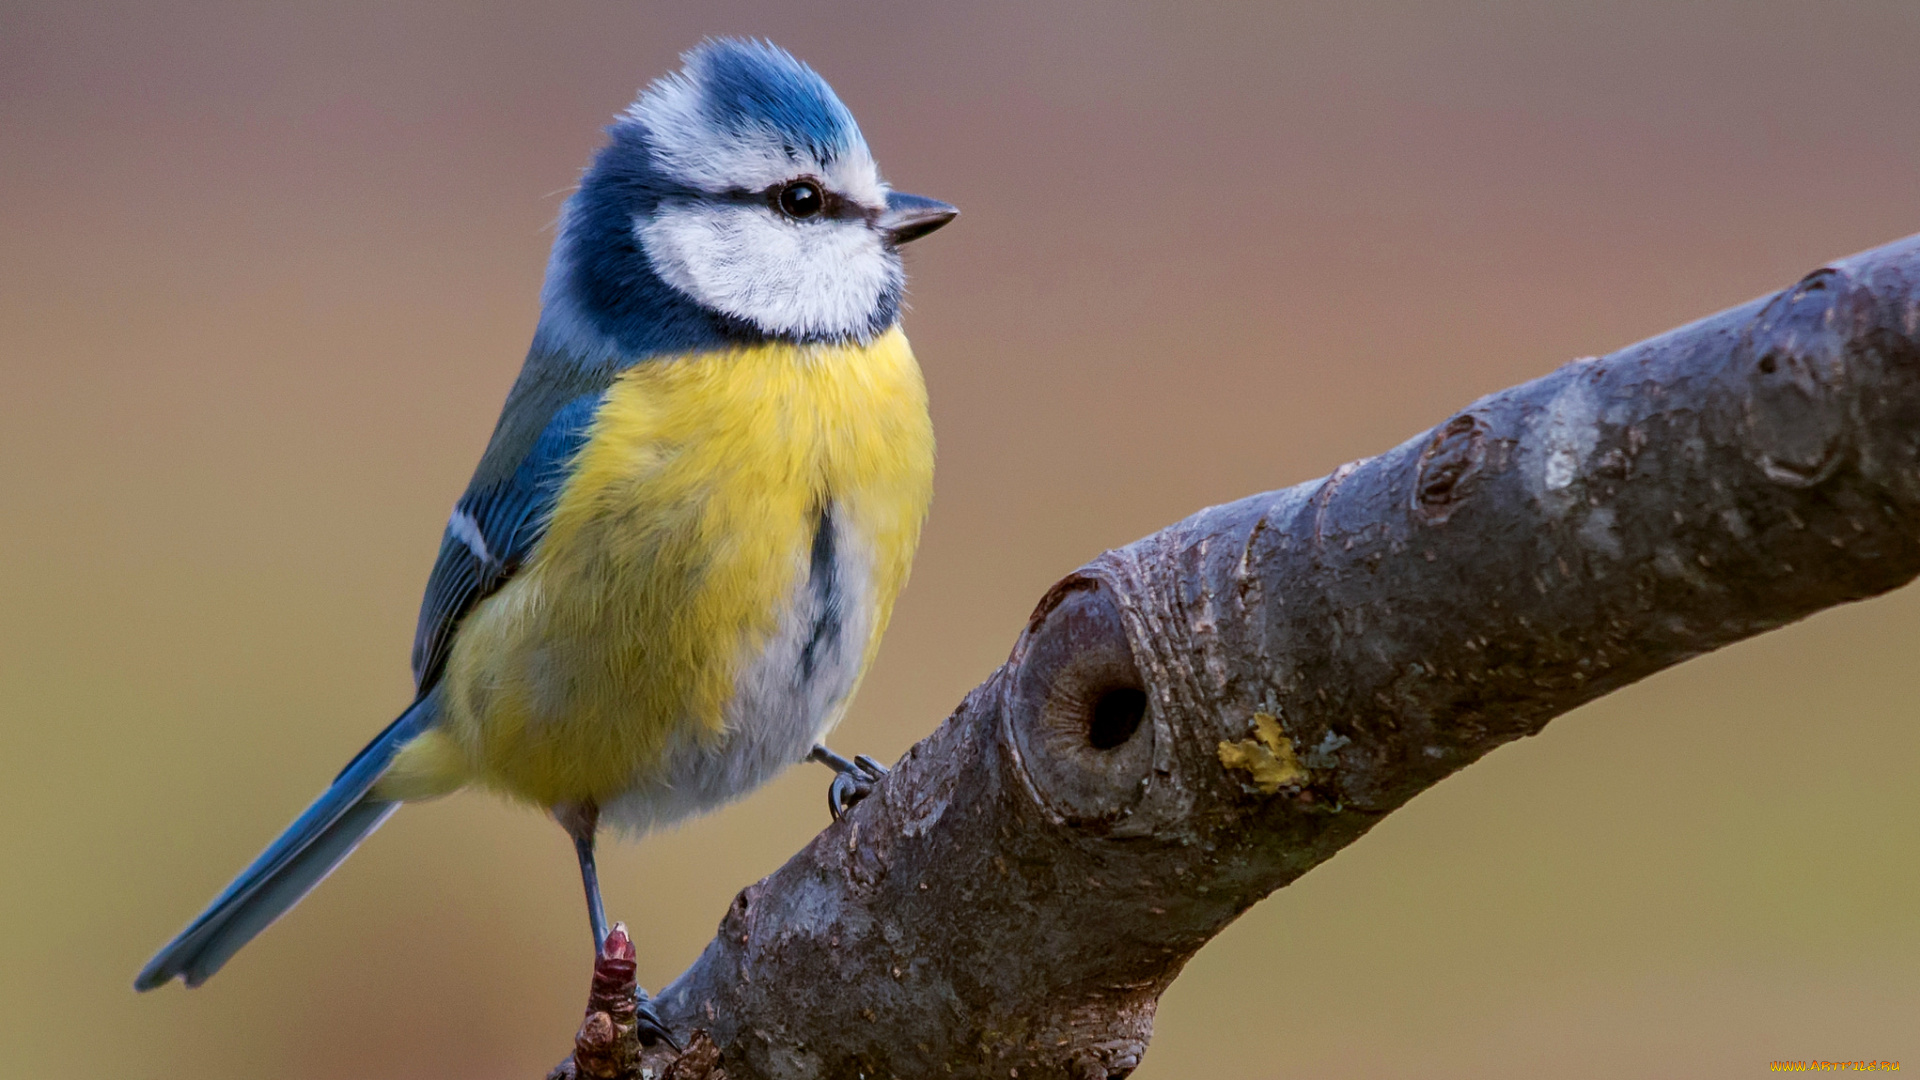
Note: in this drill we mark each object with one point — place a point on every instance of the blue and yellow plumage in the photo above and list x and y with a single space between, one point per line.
679 554
682 545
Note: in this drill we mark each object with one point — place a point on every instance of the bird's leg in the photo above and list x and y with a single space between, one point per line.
854 782
582 821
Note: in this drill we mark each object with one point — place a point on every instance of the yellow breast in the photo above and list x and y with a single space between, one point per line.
676 543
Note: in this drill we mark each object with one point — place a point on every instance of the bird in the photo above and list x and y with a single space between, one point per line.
680 548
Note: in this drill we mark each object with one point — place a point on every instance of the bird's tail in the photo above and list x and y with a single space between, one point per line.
345 814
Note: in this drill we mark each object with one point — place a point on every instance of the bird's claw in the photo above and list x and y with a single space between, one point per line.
851 785
648 1026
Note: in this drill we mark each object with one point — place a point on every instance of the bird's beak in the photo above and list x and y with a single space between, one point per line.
910 217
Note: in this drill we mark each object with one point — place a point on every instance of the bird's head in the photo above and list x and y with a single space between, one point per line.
736 198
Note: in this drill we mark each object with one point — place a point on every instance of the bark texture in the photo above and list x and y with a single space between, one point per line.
1193 721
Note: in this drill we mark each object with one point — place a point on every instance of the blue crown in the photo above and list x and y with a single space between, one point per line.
746 85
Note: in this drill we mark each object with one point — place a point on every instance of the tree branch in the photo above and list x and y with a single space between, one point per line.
1195 720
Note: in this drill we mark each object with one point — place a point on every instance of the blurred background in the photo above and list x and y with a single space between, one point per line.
267 271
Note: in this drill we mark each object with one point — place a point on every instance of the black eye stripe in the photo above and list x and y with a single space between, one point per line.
832 205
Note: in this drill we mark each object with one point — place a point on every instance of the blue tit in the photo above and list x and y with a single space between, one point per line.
683 542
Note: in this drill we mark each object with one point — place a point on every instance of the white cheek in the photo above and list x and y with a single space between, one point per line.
822 277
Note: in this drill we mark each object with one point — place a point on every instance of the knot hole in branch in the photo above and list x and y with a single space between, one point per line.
1117 711
1078 708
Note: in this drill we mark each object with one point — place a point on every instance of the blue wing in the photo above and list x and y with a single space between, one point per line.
497 524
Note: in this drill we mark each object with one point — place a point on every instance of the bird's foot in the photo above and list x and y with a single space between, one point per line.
648 1026
853 785
854 781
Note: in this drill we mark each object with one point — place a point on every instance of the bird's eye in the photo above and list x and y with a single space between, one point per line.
801 199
